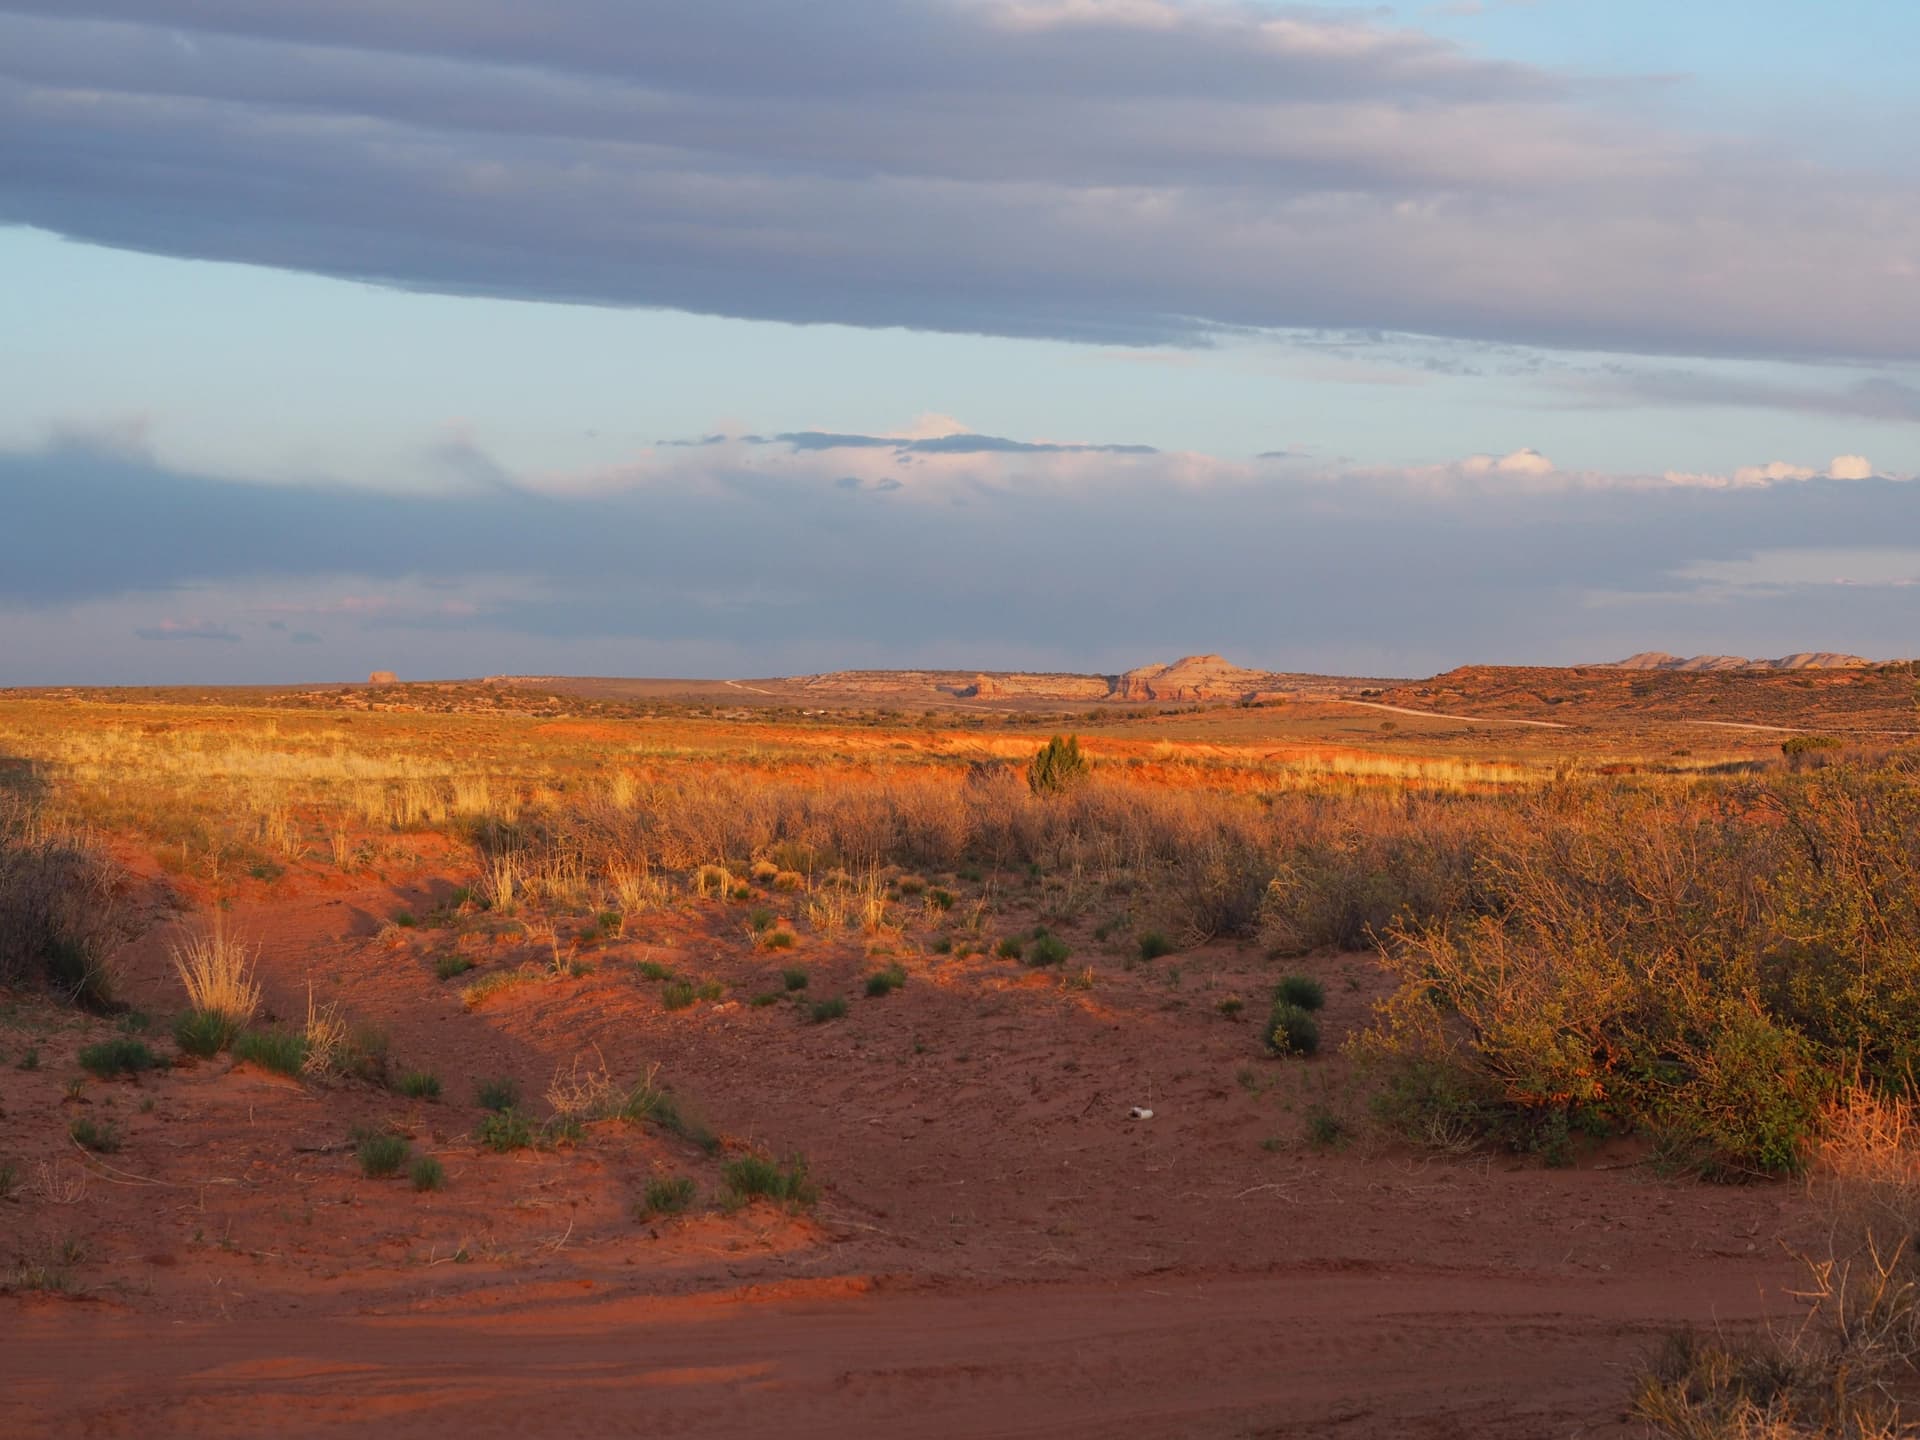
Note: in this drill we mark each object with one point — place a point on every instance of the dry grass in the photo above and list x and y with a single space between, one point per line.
1851 1369
216 970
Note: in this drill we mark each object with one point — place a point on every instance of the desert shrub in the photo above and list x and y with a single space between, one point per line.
419 1085
665 1195
678 994
427 1173
504 1130
122 1055
1153 945
1704 964
1058 767
1011 948
100 1136
496 1094
60 908
1302 990
756 1177
779 939
446 967
1047 949
794 978
381 1154
1325 1130
282 1051
760 919
885 982
204 1033
652 970
834 1008
1292 1030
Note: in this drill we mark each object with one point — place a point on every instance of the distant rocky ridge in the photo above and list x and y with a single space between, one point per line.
1193 678
1802 660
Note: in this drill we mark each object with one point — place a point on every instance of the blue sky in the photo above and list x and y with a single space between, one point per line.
1568 329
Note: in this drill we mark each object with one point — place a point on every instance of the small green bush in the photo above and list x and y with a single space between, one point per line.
825 1010
504 1130
1009 948
755 1177
99 1136
204 1033
665 1196
1048 949
653 970
381 1155
498 1094
782 939
885 982
1292 1030
282 1051
1153 945
794 978
677 994
1058 767
1301 990
448 966
122 1055
427 1173
419 1085
760 919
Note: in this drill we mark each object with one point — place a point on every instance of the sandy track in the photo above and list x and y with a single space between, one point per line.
1304 1352
1442 715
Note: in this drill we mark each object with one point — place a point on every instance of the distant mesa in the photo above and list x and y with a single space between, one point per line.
1196 677
383 677
1800 660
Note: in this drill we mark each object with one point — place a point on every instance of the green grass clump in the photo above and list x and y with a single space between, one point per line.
1010 948
427 1173
885 982
1325 1130
448 966
669 1116
505 1130
781 939
760 919
665 1196
99 1136
652 970
497 1094
1292 1030
677 994
755 1177
766 998
794 978
282 1051
204 1033
1048 949
1301 990
1153 945
825 1010
122 1055
381 1154
419 1085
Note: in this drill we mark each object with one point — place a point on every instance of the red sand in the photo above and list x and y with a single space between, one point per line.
998 1249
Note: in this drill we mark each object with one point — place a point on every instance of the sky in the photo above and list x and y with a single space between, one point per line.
756 338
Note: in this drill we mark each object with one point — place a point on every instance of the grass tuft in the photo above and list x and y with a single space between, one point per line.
122 1055
756 1177
282 1051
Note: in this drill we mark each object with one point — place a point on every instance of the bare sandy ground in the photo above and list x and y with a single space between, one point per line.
998 1250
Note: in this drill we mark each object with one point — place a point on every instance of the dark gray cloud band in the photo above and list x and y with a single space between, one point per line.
793 570
1122 173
